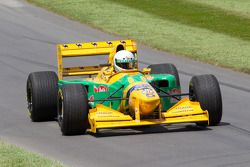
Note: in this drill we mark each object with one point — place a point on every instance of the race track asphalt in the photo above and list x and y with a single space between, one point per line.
28 36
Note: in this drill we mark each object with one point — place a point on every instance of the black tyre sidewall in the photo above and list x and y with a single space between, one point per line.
42 88
205 89
75 109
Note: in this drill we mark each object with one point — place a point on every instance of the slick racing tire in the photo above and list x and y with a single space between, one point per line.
165 68
73 109
42 91
206 90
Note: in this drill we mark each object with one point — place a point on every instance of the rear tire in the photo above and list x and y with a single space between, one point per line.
206 90
165 68
73 109
41 91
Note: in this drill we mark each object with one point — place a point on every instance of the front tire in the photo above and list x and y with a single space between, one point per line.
206 90
73 109
41 91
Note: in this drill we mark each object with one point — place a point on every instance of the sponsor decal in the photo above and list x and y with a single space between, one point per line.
183 109
101 88
107 116
91 98
102 112
172 92
148 92
137 87
146 89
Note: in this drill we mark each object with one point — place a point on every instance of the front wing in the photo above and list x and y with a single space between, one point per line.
185 111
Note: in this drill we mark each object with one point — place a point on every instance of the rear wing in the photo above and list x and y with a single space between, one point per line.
89 49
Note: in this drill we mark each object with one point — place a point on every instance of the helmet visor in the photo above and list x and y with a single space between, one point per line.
126 65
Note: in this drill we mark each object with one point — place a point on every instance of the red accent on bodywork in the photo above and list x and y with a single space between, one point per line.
101 88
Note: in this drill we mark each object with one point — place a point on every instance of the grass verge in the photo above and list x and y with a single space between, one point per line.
12 156
239 7
211 33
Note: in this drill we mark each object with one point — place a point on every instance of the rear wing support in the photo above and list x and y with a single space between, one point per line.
89 49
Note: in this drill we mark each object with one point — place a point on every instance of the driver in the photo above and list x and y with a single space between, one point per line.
124 60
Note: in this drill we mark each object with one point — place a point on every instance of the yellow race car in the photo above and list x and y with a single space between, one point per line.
117 94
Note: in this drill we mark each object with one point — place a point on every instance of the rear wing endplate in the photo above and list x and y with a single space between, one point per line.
88 49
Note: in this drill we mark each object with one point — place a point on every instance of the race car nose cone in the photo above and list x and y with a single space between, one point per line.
148 106
144 96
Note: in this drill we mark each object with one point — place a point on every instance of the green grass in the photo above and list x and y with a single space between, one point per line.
12 156
206 32
239 7
194 14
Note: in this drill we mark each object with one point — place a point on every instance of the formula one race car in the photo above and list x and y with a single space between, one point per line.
117 94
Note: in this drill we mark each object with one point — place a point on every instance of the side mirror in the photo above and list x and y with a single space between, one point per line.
146 70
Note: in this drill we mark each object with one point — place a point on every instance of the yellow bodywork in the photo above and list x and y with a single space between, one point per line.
105 117
185 111
89 49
